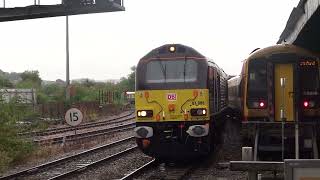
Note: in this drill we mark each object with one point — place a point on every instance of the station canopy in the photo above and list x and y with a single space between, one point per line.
66 7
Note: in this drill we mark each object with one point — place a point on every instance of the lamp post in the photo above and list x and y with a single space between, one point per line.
67 61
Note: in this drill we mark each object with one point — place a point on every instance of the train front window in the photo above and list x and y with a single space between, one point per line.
309 79
257 79
171 71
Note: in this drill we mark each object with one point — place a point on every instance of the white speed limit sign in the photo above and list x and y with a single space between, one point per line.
73 117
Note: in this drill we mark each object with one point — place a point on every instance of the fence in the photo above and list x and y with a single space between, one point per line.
90 110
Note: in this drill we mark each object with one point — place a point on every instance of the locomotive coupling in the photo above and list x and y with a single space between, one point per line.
143 132
198 130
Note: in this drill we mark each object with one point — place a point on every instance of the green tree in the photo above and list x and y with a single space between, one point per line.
132 79
5 82
30 79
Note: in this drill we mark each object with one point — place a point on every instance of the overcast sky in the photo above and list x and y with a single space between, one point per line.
105 46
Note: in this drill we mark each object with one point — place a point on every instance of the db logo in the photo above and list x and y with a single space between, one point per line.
172 96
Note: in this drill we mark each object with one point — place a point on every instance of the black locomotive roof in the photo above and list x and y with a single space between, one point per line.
182 50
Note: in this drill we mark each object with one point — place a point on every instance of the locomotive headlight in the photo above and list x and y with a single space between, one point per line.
145 113
199 112
172 49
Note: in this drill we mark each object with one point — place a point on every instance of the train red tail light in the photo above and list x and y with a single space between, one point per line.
259 104
308 104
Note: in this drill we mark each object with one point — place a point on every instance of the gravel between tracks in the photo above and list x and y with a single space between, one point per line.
229 149
116 169
81 161
54 154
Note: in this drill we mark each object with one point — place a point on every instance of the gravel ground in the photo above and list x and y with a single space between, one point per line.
81 161
47 154
116 169
230 149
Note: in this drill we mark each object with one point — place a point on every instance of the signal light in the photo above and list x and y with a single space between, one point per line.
261 104
305 104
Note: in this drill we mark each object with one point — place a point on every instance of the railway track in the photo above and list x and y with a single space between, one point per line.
47 132
138 171
70 165
156 170
84 135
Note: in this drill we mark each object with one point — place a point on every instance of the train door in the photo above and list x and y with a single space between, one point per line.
284 94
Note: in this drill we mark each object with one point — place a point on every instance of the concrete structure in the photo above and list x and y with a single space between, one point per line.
303 27
23 96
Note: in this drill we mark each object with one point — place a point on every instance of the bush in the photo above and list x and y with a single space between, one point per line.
13 148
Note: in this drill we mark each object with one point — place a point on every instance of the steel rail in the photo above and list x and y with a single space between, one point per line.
139 170
104 160
84 135
37 168
81 126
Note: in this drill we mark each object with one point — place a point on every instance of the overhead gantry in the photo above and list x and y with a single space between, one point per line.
67 7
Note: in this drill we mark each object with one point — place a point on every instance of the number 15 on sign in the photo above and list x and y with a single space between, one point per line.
73 117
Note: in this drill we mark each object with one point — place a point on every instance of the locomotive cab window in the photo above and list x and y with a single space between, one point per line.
171 71
257 80
257 84
309 77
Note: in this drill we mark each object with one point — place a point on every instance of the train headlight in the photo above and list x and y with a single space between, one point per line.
172 49
199 112
145 113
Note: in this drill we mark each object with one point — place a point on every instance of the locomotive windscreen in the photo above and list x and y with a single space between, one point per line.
172 73
257 84
309 77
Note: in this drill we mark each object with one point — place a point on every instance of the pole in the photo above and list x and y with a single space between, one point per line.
4 3
67 60
282 115
296 140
